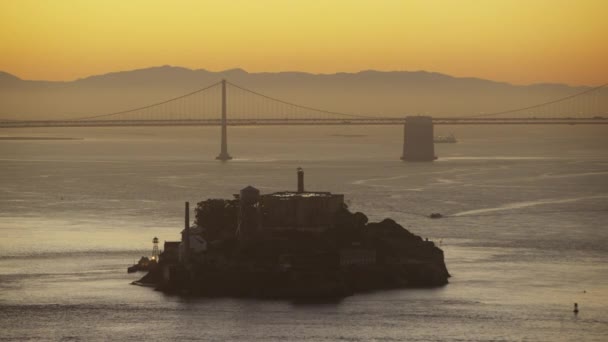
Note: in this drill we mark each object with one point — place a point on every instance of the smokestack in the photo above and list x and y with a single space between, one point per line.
187 231
300 180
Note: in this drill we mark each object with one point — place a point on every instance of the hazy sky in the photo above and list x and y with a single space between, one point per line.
525 41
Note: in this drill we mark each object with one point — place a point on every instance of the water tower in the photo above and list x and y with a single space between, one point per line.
155 252
249 213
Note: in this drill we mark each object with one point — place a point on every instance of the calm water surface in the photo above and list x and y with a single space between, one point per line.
525 238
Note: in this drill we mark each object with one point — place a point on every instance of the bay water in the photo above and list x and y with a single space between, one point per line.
525 231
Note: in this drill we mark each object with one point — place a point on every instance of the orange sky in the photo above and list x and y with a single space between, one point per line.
513 40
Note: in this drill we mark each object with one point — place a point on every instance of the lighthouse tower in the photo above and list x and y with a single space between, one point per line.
155 252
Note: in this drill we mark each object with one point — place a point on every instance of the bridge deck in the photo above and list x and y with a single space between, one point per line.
287 122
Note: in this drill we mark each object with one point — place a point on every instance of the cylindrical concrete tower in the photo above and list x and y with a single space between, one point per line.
418 142
300 180
186 233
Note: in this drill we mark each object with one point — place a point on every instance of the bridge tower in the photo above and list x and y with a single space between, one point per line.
418 142
224 156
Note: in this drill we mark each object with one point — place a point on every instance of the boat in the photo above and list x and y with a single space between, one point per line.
445 139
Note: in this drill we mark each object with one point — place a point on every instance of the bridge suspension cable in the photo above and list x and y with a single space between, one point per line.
306 108
148 106
247 106
539 104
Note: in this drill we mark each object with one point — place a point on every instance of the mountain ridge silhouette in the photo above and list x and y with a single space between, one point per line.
367 92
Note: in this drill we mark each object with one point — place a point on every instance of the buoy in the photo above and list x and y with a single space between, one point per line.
575 308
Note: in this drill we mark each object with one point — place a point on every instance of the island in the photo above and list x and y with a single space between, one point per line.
292 244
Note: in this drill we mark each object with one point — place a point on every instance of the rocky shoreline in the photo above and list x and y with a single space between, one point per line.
404 260
292 245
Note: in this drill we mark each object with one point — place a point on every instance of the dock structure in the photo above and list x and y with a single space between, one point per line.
418 142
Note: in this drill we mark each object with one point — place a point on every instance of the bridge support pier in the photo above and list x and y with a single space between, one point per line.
224 156
418 144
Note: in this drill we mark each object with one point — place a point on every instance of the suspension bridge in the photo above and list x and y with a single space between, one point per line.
228 104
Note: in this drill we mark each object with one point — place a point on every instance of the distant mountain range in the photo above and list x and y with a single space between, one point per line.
370 92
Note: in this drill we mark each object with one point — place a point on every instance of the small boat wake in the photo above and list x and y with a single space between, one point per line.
519 205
